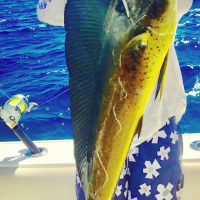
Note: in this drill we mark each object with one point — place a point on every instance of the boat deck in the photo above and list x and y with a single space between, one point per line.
52 176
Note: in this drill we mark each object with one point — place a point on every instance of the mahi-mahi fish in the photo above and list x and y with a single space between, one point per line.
116 50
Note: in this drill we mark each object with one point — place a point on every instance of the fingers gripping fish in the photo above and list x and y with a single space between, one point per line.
114 54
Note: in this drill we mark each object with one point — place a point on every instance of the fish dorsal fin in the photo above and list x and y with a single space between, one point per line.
161 78
83 48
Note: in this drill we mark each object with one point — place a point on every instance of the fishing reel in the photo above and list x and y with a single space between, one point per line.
11 113
16 106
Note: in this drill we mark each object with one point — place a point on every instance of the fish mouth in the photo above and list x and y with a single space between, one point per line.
114 51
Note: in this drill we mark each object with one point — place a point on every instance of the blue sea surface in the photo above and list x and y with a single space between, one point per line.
32 62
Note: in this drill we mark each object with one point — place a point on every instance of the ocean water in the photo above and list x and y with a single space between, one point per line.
32 62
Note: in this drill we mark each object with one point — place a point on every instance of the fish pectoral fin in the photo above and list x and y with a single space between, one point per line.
161 78
139 127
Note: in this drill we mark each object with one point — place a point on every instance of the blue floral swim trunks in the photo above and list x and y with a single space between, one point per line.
152 170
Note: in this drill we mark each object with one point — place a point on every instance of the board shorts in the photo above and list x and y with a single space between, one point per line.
152 170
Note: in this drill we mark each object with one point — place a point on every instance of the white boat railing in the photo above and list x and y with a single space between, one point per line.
52 176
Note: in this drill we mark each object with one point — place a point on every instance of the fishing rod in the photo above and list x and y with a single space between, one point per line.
11 112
